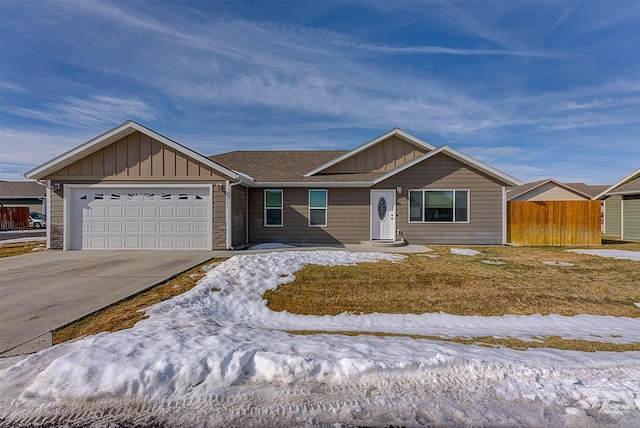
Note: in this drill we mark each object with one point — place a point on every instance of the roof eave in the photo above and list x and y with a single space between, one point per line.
608 191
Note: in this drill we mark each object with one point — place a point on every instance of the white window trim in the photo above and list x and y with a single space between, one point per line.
454 206
325 208
273 208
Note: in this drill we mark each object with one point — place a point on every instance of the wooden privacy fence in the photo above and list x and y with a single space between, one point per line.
12 218
553 223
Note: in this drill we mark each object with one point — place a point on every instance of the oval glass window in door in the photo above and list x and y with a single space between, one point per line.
382 208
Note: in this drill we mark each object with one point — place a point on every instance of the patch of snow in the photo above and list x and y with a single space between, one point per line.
465 252
270 246
18 240
616 254
217 355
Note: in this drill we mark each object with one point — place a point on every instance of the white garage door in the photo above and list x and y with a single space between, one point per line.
141 218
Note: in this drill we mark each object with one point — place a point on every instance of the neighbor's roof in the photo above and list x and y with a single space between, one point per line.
581 189
21 189
630 185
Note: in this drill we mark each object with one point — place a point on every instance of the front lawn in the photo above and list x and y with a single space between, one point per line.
463 285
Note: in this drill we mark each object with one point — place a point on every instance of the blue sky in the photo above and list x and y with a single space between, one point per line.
535 88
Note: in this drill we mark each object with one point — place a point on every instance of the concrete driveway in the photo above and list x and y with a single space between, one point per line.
43 291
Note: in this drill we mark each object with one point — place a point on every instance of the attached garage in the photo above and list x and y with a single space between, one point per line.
133 218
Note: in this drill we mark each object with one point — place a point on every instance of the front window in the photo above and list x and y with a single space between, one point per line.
273 208
317 207
434 206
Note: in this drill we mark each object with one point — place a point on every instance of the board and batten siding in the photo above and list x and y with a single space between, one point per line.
384 156
347 217
549 192
631 217
444 173
612 215
136 156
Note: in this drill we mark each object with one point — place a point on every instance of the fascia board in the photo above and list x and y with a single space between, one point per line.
313 184
629 177
395 131
112 136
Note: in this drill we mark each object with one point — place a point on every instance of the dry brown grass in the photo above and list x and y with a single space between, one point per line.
464 286
539 342
126 313
17 248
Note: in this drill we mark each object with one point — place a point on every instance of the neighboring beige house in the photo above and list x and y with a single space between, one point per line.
622 207
29 194
132 188
553 190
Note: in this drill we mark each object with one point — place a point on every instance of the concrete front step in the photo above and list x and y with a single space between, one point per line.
384 243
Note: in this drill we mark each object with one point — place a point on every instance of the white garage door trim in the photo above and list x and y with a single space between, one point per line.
179 221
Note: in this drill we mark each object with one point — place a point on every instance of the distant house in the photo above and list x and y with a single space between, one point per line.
622 207
132 188
553 190
23 194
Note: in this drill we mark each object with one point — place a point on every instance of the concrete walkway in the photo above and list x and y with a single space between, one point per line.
43 291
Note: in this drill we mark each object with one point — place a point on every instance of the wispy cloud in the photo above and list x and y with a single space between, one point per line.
99 111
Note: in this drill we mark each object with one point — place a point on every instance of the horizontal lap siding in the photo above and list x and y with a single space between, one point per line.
612 215
443 173
631 218
238 216
347 218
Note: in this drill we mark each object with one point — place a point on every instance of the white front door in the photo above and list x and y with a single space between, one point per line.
383 214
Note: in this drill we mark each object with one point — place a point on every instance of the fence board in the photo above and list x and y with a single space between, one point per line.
554 223
12 218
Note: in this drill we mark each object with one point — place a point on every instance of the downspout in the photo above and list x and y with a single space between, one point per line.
504 215
229 212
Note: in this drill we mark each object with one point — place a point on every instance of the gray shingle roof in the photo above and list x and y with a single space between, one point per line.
632 186
287 166
21 189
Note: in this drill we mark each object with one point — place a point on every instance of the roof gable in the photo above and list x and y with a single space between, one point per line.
394 149
534 186
112 136
628 185
499 176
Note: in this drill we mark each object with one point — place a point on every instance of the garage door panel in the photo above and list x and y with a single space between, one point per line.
132 211
166 211
183 211
149 211
115 227
139 218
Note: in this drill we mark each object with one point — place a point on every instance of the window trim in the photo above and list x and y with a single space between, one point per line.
325 208
281 208
454 206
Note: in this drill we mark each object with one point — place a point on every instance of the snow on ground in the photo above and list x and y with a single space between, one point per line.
616 254
465 252
217 355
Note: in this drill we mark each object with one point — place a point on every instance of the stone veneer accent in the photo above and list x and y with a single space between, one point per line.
56 230
219 236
